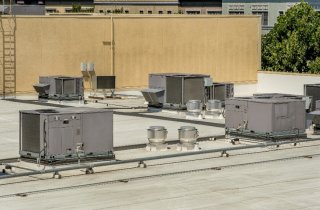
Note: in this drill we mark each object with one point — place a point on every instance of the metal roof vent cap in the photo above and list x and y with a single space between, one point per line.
194 109
214 109
188 136
157 136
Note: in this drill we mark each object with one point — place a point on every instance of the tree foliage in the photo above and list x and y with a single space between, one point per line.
76 8
293 45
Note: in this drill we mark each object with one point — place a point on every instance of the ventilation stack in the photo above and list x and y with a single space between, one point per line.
157 136
214 109
188 136
194 109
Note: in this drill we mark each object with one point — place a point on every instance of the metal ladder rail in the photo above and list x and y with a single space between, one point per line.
9 56
2 59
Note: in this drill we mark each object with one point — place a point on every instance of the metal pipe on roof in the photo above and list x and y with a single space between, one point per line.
141 160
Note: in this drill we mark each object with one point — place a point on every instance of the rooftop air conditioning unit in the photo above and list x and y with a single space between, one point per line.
60 87
312 90
66 133
270 118
174 90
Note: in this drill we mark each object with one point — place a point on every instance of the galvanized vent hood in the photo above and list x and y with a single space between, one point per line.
153 96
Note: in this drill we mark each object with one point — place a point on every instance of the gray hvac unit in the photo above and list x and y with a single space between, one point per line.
312 90
271 118
174 90
182 88
313 121
318 105
104 82
66 133
222 91
60 87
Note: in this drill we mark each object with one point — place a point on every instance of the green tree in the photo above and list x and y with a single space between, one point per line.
118 11
293 45
76 8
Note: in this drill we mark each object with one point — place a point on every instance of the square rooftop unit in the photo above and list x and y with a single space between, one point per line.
66 133
269 118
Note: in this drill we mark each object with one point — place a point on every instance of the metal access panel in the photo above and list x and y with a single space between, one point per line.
312 90
235 112
66 133
97 131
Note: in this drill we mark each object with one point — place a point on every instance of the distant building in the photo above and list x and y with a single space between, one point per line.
30 2
208 7
28 10
268 9
23 9
59 6
158 6
65 6
137 6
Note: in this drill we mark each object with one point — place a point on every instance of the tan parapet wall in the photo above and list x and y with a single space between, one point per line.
226 47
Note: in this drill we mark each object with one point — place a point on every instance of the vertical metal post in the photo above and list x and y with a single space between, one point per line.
112 47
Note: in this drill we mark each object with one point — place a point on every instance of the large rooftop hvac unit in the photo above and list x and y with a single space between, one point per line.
312 90
269 118
66 133
173 90
60 87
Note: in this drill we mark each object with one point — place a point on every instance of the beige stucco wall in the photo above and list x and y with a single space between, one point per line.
228 48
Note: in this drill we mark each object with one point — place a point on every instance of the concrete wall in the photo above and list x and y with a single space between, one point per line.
241 90
274 82
227 48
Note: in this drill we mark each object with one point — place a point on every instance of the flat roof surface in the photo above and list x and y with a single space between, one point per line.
285 177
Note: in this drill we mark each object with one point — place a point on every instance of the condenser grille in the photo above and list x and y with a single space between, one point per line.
58 86
30 132
69 86
220 92
193 89
78 86
174 90
106 82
